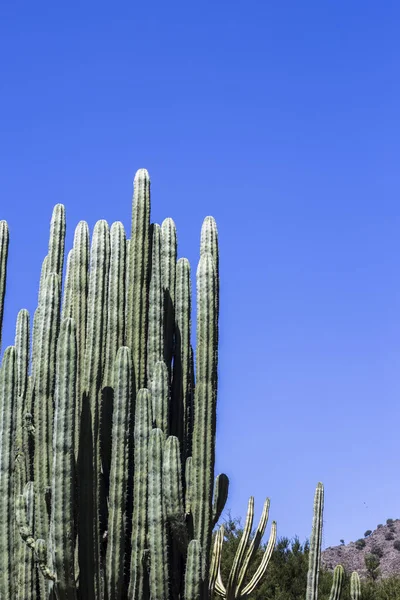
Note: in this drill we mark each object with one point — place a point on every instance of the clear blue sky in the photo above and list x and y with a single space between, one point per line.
281 119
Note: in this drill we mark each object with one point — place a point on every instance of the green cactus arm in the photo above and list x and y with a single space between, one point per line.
169 252
41 556
22 351
355 586
68 292
216 563
118 476
181 382
157 525
116 300
79 314
43 390
209 244
172 482
240 552
63 478
188 485
254 545
138 281
4 243
56 241
22 363
262 569
159 388
24 513
315 545
7 427
337 584
90 467
155 336
193 578
143 425
205 412
221 489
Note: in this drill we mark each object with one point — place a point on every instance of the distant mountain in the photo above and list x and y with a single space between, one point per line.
384 542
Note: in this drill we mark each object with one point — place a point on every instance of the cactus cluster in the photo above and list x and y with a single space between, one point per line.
108 418
107 425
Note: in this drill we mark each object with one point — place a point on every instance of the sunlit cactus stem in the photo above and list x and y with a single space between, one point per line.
355 586
315 545
7 427
4 242
337 584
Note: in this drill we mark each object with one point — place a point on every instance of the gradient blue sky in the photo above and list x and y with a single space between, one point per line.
281 119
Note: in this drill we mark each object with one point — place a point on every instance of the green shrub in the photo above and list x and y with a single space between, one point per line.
379 526
360 544
377 551
389 522
389 536
397 545
367 533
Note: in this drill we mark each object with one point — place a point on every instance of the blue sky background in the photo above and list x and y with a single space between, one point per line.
281 119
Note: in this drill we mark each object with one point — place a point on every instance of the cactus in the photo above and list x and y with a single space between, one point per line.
107 431
338 577
315 545
355 586
235 588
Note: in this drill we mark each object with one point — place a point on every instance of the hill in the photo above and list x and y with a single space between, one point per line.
383 543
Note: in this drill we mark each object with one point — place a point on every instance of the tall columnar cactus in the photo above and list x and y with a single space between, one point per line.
107 431
355 586
338 579
315 545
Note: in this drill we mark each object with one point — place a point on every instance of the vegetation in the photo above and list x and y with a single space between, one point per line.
360 544
287 571
368 533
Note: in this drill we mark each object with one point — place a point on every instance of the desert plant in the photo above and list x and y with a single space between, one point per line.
360 544
372 565
377 550
389 536
396 545
104 463
368 533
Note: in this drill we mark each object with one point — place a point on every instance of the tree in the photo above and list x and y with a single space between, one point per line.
368 533
372 564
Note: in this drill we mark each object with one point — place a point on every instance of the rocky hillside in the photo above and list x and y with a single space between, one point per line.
384 543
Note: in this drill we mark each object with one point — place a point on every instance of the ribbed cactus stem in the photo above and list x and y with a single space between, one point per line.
4 242
89 512
355 586
155 337
193 577
221 489
63 478
116 300
67 304
143 425
216 561
44 389
169 253
157 525
159 388
205 408
7 427
24 519
315 545
337 584
181 383
172 482
138 278
56 241
119 476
